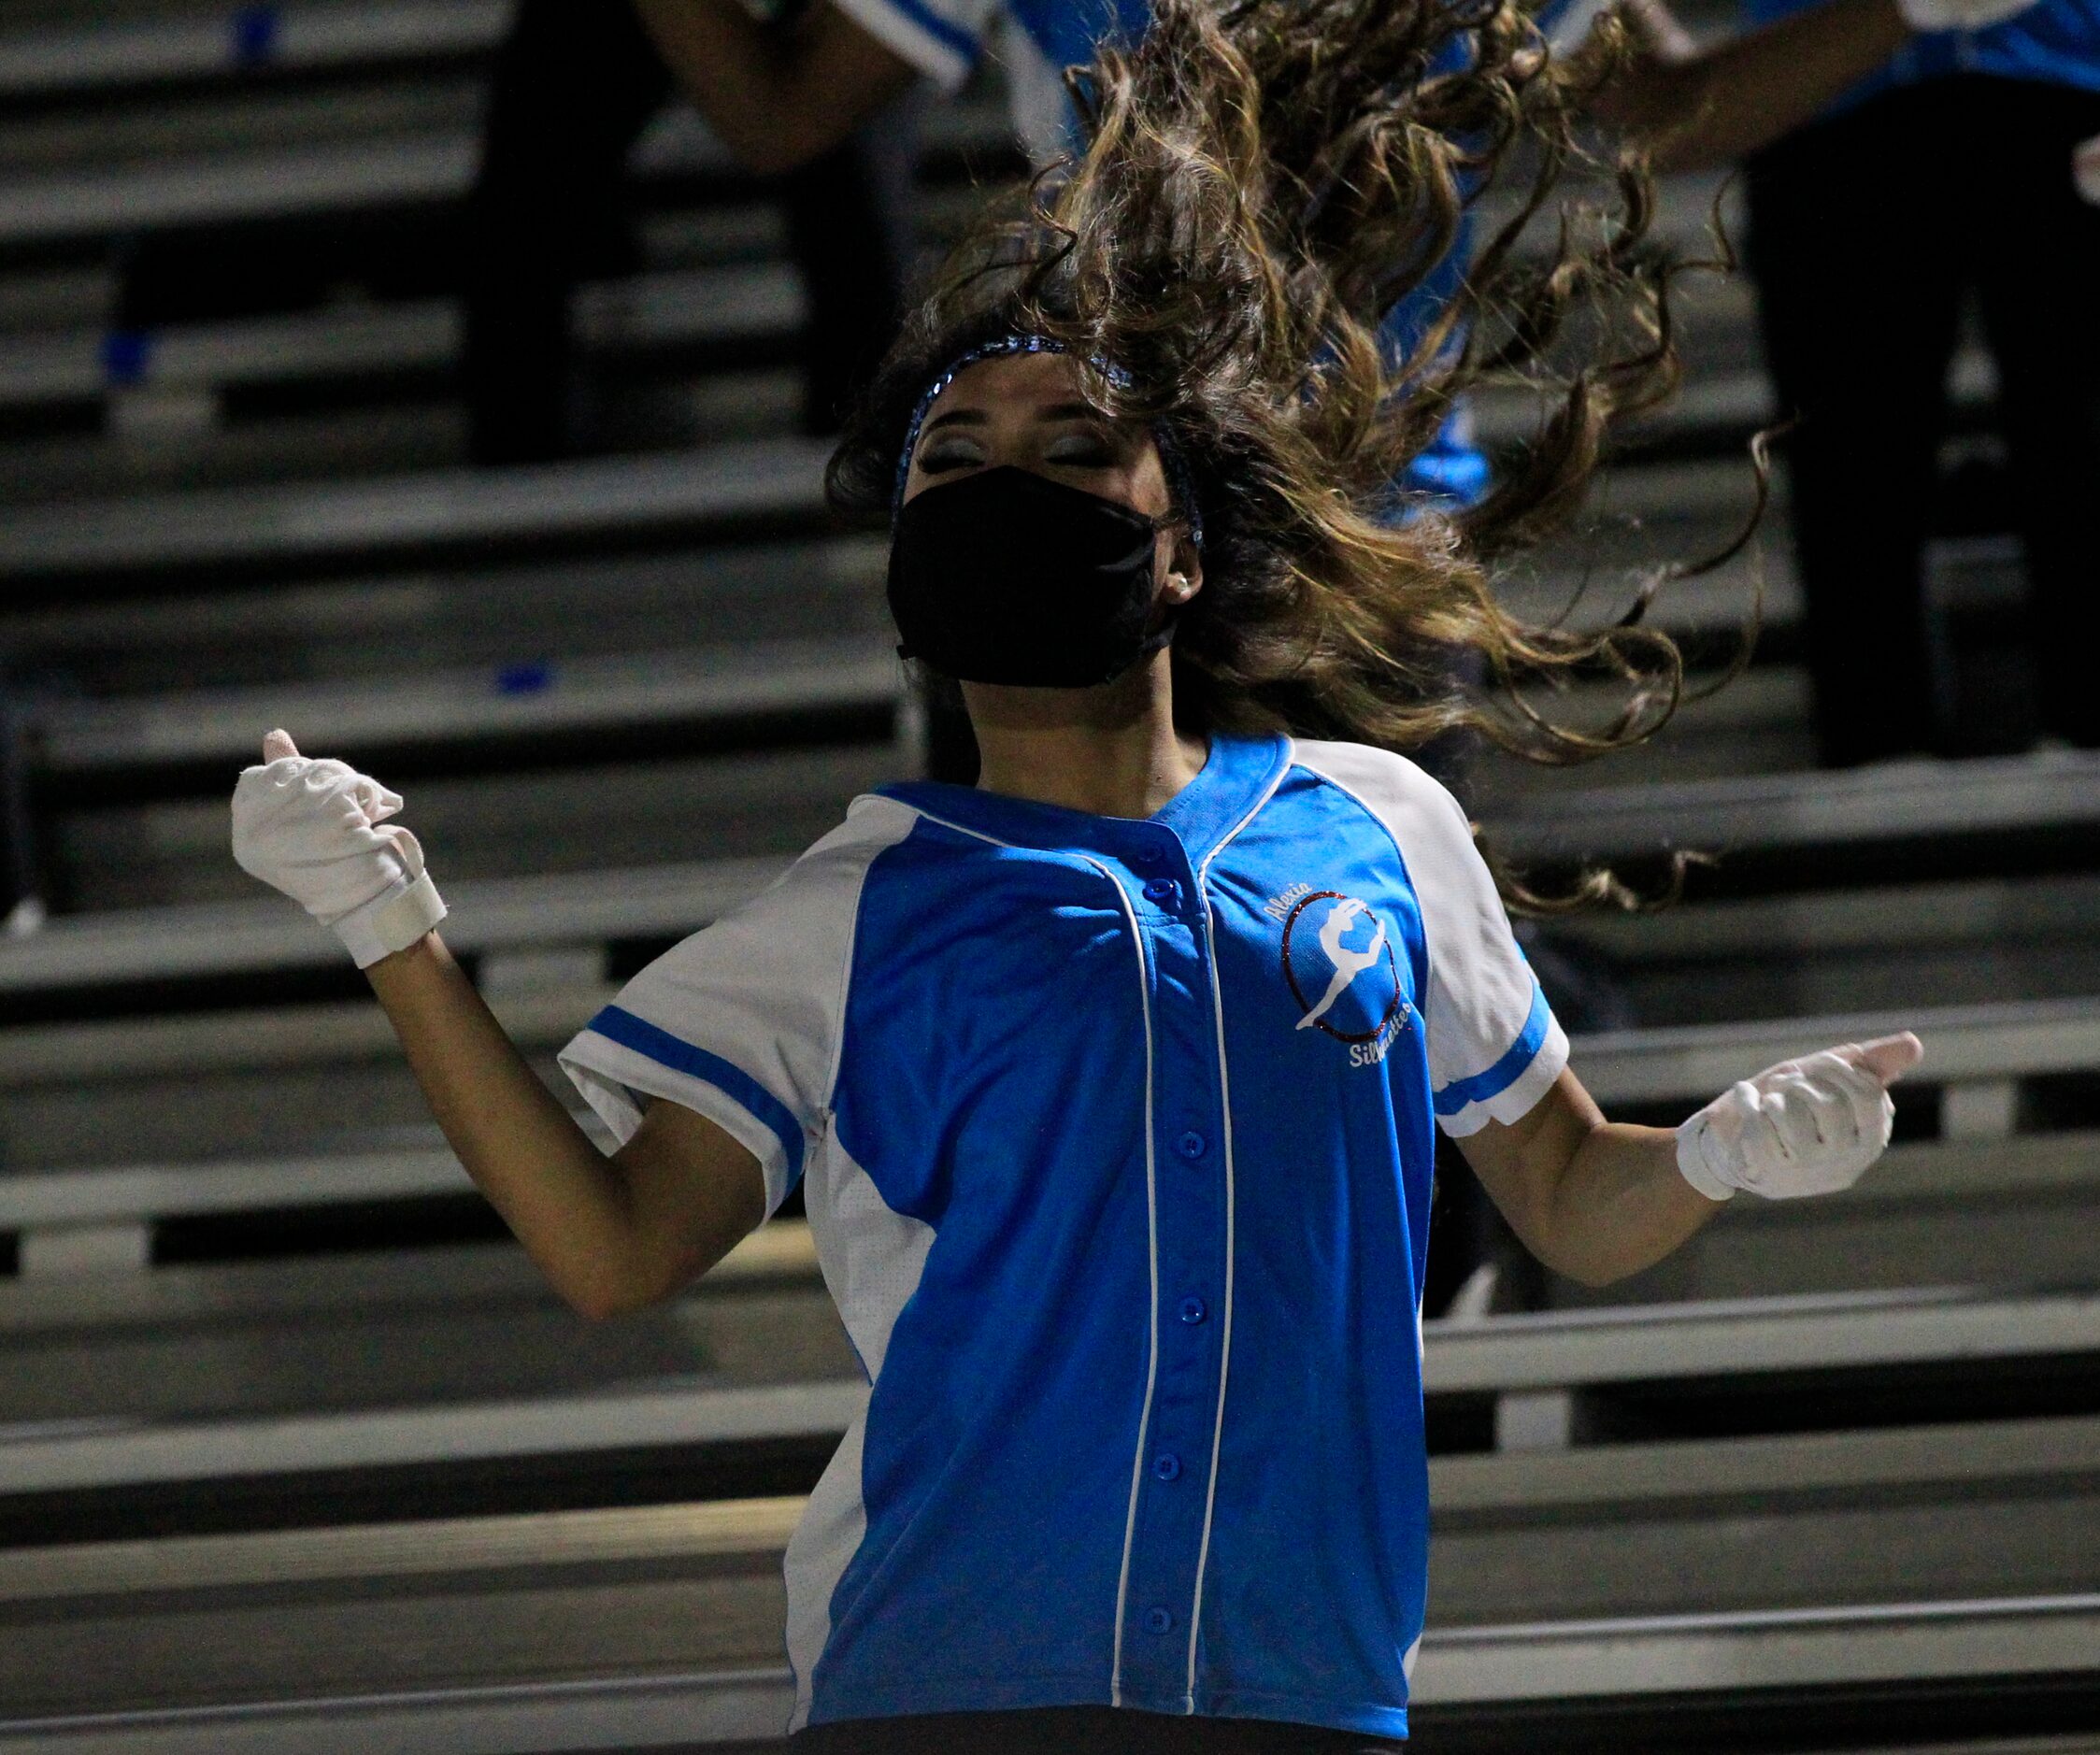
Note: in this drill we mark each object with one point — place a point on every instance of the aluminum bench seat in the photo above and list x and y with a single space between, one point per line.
1964 1211
758 301
415 146
75 206
603 498
599 695
419 619
537 684
1993 1195
746 303
658 1626
1918 800
366 1378
607 502
1978 1210
681 793
1487 1681
1801 952
279 1079
1892 948
213 939
271 1643
1949 941
75 60
1969 1044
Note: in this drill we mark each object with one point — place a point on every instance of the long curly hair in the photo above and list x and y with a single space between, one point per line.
1262 180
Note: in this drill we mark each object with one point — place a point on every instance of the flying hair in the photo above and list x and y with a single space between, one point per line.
1260 181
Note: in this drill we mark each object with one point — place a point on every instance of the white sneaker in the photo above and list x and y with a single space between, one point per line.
25 918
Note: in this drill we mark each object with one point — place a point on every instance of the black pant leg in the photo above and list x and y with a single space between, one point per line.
1079 1731
851 229
19 878
2038 269
573 85
1858 295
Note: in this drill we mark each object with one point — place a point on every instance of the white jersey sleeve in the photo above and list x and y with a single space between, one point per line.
943 38
1494 1045
740 1022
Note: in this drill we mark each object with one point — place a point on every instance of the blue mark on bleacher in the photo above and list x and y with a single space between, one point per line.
255 34
126 354
529 678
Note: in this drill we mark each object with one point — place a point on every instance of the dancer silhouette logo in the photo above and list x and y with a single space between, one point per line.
1338 961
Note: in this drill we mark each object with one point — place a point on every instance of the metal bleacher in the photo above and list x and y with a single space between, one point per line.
1806 1556
298 1452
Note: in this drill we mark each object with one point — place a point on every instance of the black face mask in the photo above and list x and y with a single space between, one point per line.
1005 577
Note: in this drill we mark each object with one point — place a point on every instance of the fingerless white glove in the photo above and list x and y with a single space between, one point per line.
312 829
1958 15
1803 1127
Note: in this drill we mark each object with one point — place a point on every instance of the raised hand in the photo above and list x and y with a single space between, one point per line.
318 831
1810 1126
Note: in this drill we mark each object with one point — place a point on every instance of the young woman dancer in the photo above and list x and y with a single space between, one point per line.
1112 1082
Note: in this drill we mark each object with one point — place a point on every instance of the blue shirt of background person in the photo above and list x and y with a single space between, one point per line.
2056 42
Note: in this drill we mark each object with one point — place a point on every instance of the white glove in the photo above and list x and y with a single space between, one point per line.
1959 15
312 830
1810 1126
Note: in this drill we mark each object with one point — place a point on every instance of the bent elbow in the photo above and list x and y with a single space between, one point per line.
594 1303
607 1297
1596 1272
1567 1259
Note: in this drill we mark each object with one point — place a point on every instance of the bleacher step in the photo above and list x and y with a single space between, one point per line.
611 501
74 62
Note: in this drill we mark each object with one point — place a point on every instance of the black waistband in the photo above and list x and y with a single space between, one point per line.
1080 1731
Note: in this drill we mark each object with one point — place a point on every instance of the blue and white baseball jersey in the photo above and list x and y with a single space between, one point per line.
1116 1138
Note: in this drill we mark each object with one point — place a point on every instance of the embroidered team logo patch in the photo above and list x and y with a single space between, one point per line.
1339 965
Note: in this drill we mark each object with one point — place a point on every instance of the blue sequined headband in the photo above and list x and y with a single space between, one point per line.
1179 480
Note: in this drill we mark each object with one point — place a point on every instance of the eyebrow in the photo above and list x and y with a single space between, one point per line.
1057 411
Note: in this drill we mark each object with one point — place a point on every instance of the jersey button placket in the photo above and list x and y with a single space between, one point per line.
1189 1203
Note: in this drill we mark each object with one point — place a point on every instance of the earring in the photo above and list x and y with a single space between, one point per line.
1177 582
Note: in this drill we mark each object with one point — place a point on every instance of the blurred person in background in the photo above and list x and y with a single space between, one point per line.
573 87
21 901
780 99
1952 173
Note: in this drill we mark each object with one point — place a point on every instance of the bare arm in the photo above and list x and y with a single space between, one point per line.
611 1233
776 99
1593 1199
1706 107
